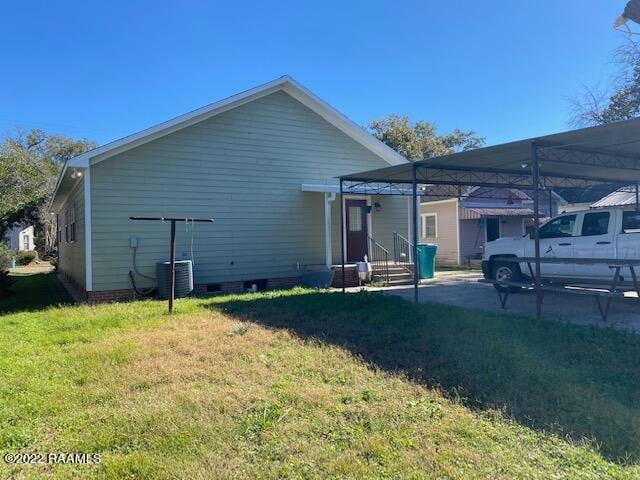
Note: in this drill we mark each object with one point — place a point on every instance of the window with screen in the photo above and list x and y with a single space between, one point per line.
559 227
631 222
429 226
595 224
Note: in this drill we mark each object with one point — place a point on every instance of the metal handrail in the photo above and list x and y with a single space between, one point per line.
379 260
402 251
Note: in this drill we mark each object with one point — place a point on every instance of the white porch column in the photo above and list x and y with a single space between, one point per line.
328 199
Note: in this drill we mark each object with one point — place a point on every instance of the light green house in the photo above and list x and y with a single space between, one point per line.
263 164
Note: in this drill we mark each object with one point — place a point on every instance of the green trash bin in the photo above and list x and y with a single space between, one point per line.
427 260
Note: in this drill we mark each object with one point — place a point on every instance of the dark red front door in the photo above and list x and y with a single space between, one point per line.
357 235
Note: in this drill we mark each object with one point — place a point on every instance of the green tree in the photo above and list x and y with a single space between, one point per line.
29 166
419 140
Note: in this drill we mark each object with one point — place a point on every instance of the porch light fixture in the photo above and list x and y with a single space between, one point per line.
76 174
377 206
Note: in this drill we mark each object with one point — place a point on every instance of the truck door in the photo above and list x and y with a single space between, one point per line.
556 240
629 235
596 240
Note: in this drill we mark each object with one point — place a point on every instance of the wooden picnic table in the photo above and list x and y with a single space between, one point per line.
575 287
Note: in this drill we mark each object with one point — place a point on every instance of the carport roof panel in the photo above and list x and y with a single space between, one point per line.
607 153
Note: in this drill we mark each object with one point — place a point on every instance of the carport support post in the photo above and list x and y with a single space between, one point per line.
172 266
342 239
535 174
414 210
637 196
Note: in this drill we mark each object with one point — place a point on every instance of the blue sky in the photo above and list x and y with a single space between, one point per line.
102 70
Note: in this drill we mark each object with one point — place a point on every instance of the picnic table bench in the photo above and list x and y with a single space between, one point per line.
602 292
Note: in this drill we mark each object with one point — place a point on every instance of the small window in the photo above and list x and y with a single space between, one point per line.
429 225
25 242
558 227
355 219
595 224
72 223
631 222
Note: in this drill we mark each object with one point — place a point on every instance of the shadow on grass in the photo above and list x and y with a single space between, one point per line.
575 381
29 293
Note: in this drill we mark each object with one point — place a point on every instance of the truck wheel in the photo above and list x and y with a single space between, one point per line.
506 271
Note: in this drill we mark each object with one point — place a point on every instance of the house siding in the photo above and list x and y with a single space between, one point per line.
511 227
472 237
447 231
71 255
244 168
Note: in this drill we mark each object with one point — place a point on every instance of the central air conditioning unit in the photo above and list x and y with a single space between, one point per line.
184 278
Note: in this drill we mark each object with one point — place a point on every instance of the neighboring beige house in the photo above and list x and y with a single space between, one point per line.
21 237
461 225
263 164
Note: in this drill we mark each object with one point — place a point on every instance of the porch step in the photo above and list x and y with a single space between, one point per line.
398 275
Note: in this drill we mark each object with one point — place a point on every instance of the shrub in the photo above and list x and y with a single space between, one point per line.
6 254
25 257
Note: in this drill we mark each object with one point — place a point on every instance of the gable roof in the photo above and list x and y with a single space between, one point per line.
622 196
285 83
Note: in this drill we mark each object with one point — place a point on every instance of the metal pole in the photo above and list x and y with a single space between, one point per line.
535 172
172 266
414 210
637 196
342 235
550 203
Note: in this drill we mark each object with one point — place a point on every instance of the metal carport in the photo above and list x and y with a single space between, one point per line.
607 155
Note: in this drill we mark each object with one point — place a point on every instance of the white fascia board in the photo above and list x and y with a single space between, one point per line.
88 249
59 182
342 122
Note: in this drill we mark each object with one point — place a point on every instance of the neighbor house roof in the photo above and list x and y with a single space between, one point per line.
285 83
472 213
622 196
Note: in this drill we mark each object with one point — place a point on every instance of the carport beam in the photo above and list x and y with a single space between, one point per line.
535 173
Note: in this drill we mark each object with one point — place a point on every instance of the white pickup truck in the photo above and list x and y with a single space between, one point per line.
599 233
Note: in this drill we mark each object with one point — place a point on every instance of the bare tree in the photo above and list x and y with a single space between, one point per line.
621 100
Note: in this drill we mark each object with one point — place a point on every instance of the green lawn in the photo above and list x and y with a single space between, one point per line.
306 384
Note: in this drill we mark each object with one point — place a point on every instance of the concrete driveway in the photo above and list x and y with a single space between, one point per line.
461 288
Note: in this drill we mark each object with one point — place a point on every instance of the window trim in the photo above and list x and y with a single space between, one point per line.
423 225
